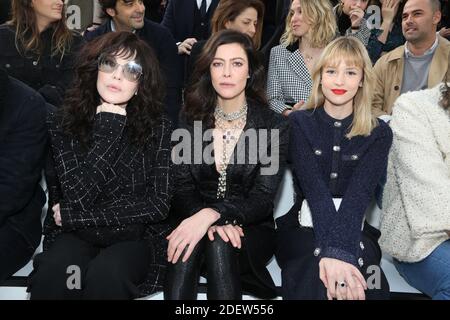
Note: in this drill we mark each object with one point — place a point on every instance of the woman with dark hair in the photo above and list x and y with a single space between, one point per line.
245 16
38 48
223 203
351 21
390 34
415 224
111 152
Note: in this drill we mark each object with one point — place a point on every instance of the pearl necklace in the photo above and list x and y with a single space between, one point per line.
220 114
223 121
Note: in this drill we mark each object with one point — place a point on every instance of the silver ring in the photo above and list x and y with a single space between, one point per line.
342 284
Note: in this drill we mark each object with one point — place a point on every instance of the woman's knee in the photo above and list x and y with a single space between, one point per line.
182 277
218 248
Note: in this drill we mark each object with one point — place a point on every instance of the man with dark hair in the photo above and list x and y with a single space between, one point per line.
421 63
129 15
23 141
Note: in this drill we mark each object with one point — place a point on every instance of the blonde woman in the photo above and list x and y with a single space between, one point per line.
38 48
339 152
310 26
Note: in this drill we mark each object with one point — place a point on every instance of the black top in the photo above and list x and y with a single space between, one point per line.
113 191
5 8
47 74
23 141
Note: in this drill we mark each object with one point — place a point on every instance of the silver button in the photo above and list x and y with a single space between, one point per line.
7 65
227 222
355 157
360 262
35 63
361 245
234 222
317 252
338 124
318 152
57 66
336 148
333 175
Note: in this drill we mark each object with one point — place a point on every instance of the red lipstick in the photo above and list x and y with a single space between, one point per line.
339 92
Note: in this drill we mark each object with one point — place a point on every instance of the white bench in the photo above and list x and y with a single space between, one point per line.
284 201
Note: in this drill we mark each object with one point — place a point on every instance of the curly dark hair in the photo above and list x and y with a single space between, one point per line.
200 96
144 110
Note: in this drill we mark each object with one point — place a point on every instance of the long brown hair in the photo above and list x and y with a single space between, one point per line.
228 10
27 33
200 96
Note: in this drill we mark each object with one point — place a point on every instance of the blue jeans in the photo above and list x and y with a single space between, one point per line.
431 275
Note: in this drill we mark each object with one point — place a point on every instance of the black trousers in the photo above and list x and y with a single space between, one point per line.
15 252
300 268
75 269
223 263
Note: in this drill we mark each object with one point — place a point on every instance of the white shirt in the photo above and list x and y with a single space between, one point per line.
208 3
113 27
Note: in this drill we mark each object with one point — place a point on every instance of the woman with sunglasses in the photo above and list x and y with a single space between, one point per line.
38 48
105 236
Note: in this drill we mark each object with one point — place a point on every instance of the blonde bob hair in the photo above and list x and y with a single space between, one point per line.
319 14
353 53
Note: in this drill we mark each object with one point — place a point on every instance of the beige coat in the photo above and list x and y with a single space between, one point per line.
416 198
389 75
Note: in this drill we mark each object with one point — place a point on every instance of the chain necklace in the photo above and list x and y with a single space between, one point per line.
307 57
229 130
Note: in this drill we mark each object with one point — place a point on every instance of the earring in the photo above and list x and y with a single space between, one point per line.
360 85
135 93
248 77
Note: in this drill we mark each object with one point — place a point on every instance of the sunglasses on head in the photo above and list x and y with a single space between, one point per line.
132 70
